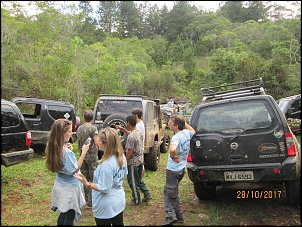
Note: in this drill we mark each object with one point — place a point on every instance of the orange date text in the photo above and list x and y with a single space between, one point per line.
258 194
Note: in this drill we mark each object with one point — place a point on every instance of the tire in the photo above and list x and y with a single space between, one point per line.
117 119
292 189
152 158
204 192
164 147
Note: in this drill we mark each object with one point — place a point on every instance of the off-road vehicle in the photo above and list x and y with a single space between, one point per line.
15 135
110 110
40 114
243 142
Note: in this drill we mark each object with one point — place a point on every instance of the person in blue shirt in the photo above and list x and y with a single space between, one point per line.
175 170
67 193
108 195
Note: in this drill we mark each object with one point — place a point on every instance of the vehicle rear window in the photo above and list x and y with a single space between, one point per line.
234 116
107 107
57 111
9 116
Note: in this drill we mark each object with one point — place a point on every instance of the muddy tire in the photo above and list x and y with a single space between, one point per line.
292 189
117 119
204 192
152 158
164 147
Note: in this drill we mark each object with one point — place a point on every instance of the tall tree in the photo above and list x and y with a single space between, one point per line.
128 25
107 15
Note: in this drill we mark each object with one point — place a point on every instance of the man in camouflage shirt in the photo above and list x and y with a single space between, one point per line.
90 162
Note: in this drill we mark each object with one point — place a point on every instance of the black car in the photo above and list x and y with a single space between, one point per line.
243 142
15 135
40 114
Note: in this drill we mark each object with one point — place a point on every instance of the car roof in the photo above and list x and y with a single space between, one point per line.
291 97
30 99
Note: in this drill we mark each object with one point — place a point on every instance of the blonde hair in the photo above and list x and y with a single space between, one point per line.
113 145
55 143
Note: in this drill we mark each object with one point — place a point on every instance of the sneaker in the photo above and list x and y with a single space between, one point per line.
132 203
170 221
147 198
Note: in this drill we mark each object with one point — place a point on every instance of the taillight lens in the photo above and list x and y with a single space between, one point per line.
189 159
28 138
290 143
75 126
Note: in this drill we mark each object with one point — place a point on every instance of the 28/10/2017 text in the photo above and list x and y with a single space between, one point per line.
258 194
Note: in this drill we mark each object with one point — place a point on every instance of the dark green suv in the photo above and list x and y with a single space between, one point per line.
15 135
40 114
242 141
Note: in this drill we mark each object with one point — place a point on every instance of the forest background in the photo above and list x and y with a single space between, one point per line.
75 53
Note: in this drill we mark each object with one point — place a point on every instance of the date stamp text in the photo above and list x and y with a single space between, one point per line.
259 194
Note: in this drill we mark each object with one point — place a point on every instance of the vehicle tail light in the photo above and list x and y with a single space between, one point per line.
189 159
28 138
290 143
74 125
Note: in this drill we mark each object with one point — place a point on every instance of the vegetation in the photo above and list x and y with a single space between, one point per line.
123 47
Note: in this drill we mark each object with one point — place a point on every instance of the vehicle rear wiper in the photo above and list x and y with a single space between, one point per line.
249 129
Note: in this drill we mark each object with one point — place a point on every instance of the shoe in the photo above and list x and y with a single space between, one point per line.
132 203
170 221
147 198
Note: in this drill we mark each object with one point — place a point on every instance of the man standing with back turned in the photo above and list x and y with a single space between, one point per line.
90 161
175 170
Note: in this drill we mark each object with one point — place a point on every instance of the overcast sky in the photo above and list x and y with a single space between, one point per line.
205 5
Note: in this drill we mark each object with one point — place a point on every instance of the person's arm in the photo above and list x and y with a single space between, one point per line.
129 154
190 128
85 149
83 179
123 129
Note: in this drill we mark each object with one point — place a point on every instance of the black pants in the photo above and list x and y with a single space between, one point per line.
66 218
117 220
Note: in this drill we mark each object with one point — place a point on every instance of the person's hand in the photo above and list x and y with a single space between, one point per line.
80 177
176 158
118 127
69 146
85 149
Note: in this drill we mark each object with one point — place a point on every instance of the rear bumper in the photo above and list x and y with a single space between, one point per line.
12 158
262 172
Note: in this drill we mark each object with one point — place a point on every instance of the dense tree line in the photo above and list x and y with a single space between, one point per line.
127 48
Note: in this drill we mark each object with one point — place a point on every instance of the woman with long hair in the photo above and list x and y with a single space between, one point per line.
67 193
108 195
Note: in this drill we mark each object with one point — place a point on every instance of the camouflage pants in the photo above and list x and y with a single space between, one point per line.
87 170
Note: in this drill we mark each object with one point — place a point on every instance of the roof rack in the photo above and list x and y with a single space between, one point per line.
245 88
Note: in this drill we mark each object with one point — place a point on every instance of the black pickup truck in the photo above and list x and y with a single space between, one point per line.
242 141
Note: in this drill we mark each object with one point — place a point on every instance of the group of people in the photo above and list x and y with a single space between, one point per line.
103 178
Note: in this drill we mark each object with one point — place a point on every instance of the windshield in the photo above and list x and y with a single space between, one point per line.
234 117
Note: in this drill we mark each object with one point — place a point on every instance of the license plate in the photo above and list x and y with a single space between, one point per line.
239 176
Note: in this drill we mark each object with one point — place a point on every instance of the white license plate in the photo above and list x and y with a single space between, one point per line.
239 176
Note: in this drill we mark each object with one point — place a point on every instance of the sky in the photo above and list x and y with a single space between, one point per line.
206 5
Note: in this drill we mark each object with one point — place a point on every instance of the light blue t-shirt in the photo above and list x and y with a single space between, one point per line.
70 165
110 198
182 140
